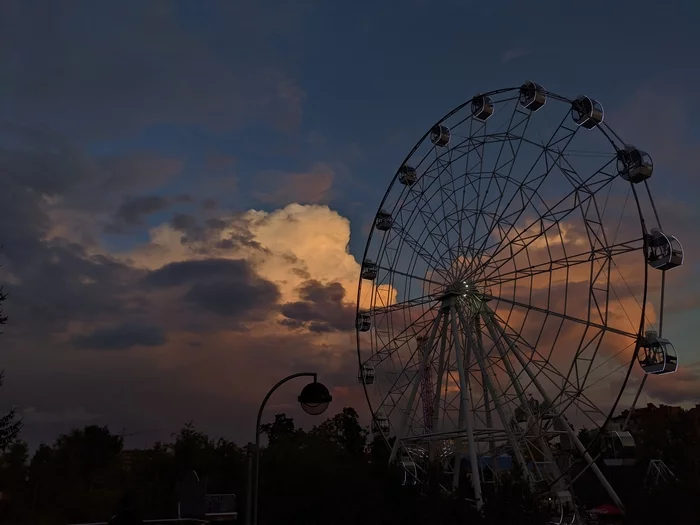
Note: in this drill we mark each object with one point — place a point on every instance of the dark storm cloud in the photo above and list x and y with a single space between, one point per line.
209 204
321 308
183 221
56 281
121 337
187 272
216 224
234 299
95 70
322 294
136 172
224 287
132 211
59 284
46 164
206 238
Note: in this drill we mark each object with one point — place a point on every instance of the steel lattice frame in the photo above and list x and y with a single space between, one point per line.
518 257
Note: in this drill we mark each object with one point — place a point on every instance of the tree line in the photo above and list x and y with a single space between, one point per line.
331 474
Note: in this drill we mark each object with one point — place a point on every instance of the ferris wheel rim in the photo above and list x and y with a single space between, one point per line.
440 136
609 134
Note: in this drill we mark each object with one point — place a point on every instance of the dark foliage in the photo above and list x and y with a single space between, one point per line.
514 502
329 475
10 426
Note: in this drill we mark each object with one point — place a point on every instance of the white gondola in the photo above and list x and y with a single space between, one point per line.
380 423
363 322
618 449
384 221
408 175
369 270
634 165
532 96
665 251
657 355
440 135
586 112
482 107
366 375
410 472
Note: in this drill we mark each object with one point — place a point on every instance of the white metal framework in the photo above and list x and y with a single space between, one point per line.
504 298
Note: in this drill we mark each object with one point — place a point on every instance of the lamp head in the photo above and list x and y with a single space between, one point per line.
315 398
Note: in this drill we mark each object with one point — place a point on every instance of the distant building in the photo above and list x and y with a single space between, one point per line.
651 413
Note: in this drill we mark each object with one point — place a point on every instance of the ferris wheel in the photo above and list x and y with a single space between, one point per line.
511 293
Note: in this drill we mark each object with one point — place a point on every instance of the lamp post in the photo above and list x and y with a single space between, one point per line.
314 399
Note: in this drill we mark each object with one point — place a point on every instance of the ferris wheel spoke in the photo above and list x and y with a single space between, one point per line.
522 122
448 196
463 206
418 248
473 176
438 387
586 257
533 425
479 355
562 316
390 349
438 170
429 218
543 363
414 389
467 413
403 305
554 218
552 215
572 435
393 271
538 179
504 337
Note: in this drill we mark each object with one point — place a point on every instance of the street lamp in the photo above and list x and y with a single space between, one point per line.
314 400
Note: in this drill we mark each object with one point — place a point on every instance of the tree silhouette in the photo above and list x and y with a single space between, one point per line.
10 426
331 474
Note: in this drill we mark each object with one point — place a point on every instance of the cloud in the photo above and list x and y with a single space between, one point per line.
312 187
172 298
55 190
322 308
121 337
183 222
133 210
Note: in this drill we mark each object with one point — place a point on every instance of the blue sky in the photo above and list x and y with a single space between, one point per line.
238 97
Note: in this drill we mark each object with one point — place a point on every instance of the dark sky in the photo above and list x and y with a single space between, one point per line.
187 187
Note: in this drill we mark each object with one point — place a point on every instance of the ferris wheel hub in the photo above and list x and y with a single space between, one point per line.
465 295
